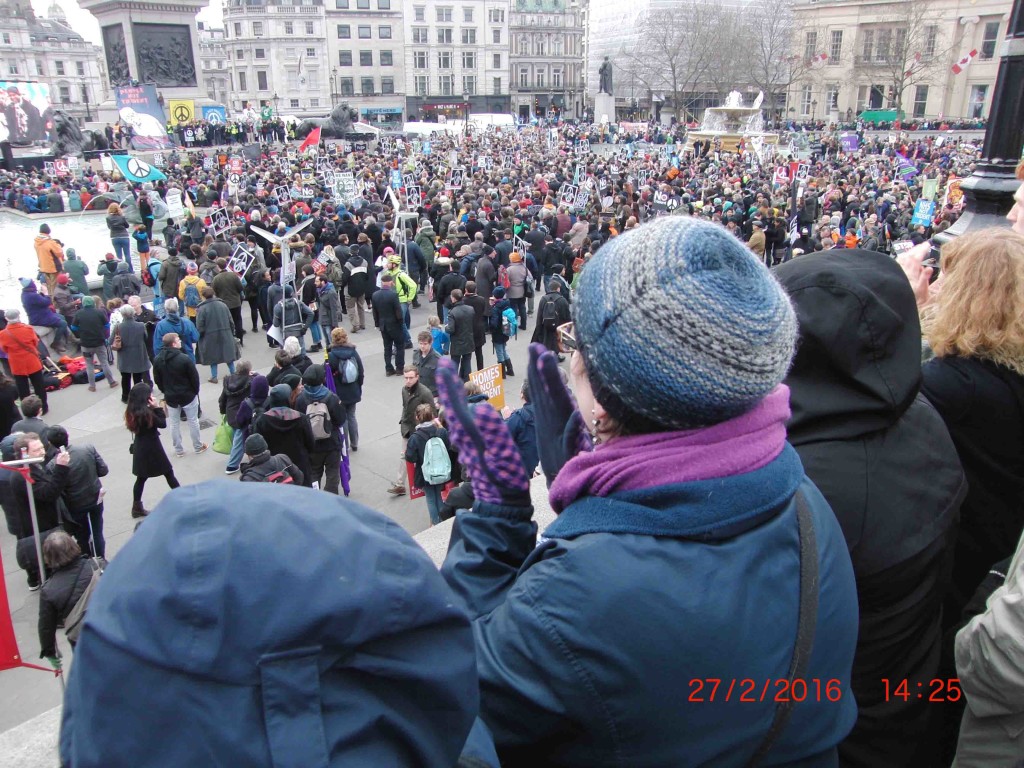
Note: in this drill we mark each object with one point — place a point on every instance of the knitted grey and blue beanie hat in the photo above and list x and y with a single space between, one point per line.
681 326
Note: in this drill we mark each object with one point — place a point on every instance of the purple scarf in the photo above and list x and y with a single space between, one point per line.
734 447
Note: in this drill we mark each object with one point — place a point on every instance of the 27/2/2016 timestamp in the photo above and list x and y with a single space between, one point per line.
937 689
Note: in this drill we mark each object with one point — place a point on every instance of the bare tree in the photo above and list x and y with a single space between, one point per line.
906 48
674 50
769 35
728 69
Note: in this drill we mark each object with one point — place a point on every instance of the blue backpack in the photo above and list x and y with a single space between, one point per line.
437 464
509 323
192 299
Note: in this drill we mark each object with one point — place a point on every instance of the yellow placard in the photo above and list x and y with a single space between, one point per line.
492 384
181 110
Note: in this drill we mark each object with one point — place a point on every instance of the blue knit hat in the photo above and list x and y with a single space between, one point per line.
681 326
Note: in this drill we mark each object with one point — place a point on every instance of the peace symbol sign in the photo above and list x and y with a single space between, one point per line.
182 113
138 167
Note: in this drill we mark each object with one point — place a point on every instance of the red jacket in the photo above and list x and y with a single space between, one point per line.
20 343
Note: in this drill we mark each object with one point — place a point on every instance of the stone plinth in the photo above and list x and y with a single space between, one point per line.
604 107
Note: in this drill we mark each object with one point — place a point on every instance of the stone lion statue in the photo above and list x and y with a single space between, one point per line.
334 126
69 139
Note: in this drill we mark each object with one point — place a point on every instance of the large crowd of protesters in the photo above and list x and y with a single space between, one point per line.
785 444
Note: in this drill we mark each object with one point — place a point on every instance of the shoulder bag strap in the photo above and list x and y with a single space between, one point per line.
806 624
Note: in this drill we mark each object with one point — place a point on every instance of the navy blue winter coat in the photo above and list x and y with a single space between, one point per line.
258 625
591 645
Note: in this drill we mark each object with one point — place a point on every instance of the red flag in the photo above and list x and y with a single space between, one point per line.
961 65
313 138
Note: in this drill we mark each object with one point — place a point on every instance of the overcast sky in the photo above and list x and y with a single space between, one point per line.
86 25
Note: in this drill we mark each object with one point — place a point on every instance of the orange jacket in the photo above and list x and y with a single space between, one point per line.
20 343
49 253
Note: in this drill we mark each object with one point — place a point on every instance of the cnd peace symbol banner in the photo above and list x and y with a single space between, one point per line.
136 169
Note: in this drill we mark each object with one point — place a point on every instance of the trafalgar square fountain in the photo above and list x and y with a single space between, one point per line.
732 123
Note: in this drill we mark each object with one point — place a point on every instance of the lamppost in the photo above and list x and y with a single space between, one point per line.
465 107
988 192
85 97
334 87
276 99
814 110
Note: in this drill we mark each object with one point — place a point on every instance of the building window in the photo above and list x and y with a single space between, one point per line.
810 45
364 31
65 94
383 5
366 58
344 32
363 5
805 100
310 29
524 77
977 102
80 68
346 87
468 60
239 54
40 70
832 96
988 42
496 87
341 5
314 102
289 28
920 100
257 29
496 16
238 29
556 78
444 14
467 14
387 85
345 58
446 83
556 46
261 80
366 85
884 44
469 36
444 60
931 37
419 35
59 65
540 78
419 13
862 97
497 61
421 85
835 47
311 53
260 53
293 103
867 44
384 32
387 59
242 84
419 59
469 84
7 38
496 36
524 45
289 53
444 35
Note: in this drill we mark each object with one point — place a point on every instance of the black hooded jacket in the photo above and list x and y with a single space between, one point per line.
884 460
287 431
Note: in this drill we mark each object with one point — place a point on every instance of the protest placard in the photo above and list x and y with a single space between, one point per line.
567 195
282 194
455 178
491 384
175 209
241 259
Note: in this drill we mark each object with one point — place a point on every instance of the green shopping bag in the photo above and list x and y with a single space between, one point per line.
225 434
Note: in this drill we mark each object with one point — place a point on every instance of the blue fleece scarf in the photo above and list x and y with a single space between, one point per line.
317 393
